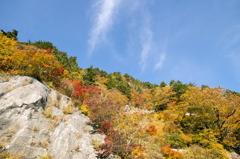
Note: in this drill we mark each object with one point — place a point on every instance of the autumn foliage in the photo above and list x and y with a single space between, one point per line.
151 130
171 154
84 92
115 143
17 58
178 115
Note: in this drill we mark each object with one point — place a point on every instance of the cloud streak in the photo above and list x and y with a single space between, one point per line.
160 62
104 17
146 41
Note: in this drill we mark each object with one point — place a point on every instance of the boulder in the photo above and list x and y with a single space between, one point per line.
32 122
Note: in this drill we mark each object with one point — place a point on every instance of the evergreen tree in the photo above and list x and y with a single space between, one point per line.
124 87
163 84
89 77
10 34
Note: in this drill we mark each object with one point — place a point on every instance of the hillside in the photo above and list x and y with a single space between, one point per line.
139 119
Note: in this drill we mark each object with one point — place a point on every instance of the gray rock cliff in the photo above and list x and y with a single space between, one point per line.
32 122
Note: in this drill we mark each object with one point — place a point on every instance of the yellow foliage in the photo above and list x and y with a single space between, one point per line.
195 151
138 153
75 76
85 110
45 157
7 45
187 138
102 80
16 58
81 71
216 107
163 98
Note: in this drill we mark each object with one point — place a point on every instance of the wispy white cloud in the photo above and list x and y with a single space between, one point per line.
233 50
146 36
160 62
104 17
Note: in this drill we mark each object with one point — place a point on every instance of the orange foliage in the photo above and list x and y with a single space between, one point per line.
102 80
151 130
138 99
169 153
106 105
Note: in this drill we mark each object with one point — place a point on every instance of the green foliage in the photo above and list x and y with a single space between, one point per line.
127 77
117 75
154 86
192 84
172 82
193 124
99 72
163 84
69 64
61 57
89 76
43 45
232 92
111 83
72 62
103 73
115 81
204 86
147 85
9 34
179 88
175 140
124 87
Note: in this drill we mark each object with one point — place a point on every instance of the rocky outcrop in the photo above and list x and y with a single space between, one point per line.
32 122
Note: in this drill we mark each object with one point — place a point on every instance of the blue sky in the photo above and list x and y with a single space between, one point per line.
151 40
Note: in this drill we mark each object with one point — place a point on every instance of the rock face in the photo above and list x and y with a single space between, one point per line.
32 122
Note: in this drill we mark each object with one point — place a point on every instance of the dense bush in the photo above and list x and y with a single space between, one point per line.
115 143
175 140
30 61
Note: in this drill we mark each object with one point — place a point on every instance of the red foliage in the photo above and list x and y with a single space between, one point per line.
58 71
49 51
114 142
83 92
34 52
79 90
106 127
